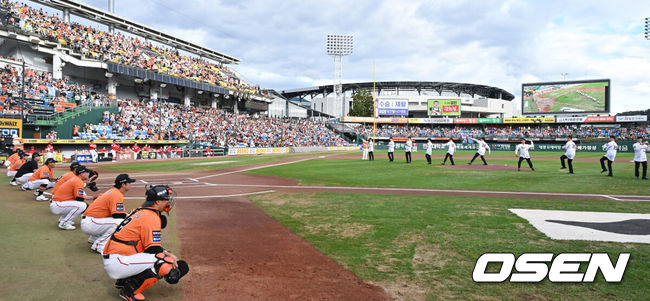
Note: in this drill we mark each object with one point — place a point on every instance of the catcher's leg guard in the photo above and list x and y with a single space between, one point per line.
136 283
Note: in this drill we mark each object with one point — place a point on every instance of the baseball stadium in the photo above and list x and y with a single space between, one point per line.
141 163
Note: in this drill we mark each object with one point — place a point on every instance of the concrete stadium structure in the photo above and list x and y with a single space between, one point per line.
476 100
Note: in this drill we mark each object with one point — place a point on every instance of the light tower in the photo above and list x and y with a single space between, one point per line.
647 28
339 46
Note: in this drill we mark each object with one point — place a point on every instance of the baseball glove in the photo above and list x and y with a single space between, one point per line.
91 181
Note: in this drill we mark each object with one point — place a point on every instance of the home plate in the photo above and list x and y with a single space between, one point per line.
212 163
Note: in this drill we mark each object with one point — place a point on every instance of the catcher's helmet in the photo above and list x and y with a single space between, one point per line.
160 193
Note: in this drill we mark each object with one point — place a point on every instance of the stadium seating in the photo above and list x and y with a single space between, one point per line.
141 120
501 132
119 48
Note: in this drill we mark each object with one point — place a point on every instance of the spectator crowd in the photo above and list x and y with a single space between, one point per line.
501 132
120 48
212 127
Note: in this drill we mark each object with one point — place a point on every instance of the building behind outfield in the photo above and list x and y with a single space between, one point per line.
476 100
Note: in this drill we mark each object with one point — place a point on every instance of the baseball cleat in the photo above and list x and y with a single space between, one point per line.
41 198
562 167
67 227
35 193
13 183
604 170
131 297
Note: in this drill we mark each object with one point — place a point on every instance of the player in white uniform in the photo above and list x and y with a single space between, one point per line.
450 152
407 149
371 150
522 152
428 148
610 147
640 157
391 149
570 153
482 146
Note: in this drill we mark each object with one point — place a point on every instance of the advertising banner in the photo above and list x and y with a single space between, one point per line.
80 141
600 119
530 120
10 127
633 118
443 107
431 120
392 107
564 119
489 120
465 120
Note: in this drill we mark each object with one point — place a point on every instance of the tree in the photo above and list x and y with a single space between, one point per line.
362 104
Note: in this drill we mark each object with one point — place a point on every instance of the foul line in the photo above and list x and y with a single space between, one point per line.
248 169
211 196
432 190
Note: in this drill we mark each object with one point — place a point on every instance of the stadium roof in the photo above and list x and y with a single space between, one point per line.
458 88
107 18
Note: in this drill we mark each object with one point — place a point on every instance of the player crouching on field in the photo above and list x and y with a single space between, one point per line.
134 255
69 200
43 178
106 213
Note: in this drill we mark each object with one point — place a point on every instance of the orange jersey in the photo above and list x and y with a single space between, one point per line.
42 173
107 204
70 190
15 165
62 180
13 158
142 228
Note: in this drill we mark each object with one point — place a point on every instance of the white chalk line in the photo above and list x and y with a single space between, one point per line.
250 168
211 196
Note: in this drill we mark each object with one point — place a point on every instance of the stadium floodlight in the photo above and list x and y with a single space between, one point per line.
339 46
647 28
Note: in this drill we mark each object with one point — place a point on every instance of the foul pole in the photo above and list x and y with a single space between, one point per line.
374 106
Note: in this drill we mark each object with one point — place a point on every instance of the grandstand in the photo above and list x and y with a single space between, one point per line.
475 100
74 74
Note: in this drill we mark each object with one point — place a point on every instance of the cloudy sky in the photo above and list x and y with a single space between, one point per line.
498 43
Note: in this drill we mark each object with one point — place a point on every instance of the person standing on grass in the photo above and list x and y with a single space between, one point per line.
391 149
364 150
450 151
570 153
640 157
428 148
407 149
610 148
522 151
371 150
482 146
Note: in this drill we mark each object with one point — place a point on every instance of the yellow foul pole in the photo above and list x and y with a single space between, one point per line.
374 105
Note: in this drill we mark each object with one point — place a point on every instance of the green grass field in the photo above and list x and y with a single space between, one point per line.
425 247
416 247
42 262
547 177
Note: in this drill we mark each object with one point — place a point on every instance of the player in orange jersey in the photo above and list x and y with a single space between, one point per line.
69 200
106 213
134 254
43 179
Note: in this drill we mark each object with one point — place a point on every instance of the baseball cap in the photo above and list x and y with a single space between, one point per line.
123 178
34 155
82 169
50 160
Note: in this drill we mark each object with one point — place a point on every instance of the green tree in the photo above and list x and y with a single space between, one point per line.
362 103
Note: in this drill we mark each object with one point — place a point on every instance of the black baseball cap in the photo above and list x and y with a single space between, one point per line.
74 165
50 160
123 178
34 155
81 169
